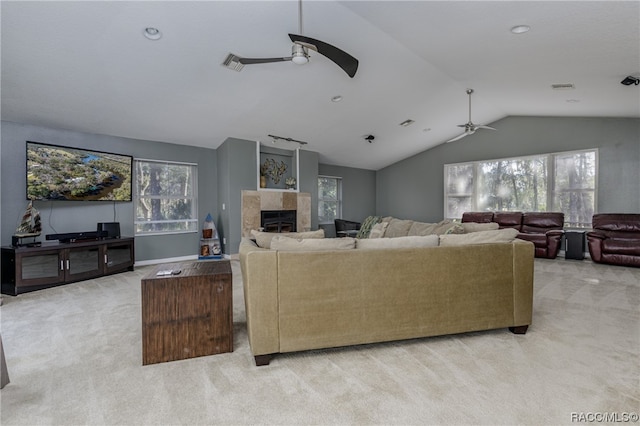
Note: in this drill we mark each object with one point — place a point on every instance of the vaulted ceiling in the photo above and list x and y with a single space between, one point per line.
86 66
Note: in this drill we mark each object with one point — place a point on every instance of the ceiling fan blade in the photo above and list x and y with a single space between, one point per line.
341 58
485 127
458 137
249 61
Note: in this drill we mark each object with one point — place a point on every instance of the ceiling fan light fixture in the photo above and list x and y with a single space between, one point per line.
299 56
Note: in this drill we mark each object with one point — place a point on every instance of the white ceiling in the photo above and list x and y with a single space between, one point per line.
86 66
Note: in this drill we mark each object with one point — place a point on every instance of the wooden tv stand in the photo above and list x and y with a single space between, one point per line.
51 264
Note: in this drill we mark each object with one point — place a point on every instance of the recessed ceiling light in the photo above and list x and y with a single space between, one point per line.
152 33
520 29
336 98
406 123
573 101
428 129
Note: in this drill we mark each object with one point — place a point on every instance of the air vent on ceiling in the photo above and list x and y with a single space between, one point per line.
563 86
233 62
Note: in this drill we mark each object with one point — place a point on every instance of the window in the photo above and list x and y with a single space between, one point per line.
329 199
563 182
165 196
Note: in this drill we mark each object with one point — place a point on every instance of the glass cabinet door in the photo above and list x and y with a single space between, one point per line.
43 267
118 256
83 263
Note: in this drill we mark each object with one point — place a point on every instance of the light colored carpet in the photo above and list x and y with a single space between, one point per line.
74 356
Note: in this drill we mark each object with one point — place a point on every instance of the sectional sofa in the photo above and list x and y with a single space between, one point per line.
307 294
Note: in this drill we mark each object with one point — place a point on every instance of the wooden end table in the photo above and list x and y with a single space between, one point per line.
189 314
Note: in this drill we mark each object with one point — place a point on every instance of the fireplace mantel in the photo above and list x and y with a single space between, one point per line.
253 202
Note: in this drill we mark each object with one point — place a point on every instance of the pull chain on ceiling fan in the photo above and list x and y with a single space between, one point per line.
300 53
469 127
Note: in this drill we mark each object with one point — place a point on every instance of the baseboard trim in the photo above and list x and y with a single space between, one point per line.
171 260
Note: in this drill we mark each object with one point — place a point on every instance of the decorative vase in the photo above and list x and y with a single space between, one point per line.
263 181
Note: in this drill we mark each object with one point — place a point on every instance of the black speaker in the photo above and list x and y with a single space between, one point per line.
112 228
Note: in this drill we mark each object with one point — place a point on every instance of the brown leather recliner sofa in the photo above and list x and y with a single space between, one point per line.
615 239
543 229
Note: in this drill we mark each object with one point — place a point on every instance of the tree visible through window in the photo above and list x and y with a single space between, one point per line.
165 197
564 182
329 199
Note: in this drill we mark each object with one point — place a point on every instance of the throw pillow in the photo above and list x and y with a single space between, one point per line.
442 226
398 242
263 239
506 235
398 228
312 244
366 226
378 230
475 226
457 228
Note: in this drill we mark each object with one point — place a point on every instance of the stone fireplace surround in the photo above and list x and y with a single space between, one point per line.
253 202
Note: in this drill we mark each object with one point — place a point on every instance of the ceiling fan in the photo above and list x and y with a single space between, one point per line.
469 128
300 53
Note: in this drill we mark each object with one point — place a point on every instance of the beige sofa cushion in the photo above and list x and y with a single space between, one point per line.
398 242
263 239
442 227
312 244
475 227
506 235
398 228
378 230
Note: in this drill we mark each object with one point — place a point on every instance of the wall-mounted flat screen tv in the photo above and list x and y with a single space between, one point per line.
63 173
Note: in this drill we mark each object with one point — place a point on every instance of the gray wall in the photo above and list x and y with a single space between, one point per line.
358 193
414 188
71 216
238 171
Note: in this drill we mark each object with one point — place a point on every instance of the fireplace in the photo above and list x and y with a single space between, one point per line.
278 220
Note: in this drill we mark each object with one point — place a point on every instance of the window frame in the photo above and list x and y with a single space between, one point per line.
193 221
338 195
551 189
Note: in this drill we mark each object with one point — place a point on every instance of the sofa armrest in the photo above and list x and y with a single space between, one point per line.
594 242
523 255
554 240
554 233
260 285
596 235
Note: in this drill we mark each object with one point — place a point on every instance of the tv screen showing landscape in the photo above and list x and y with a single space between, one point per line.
63 173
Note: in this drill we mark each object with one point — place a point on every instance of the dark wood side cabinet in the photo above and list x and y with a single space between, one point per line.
51 264
189 314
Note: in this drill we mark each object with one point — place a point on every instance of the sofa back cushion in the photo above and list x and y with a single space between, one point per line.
398 228
508 219
398 242
618 222
478 217
541 222
477 227
282 243
263 239
506 235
